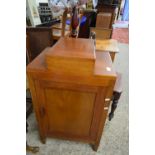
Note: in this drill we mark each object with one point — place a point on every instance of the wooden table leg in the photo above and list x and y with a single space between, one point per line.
116 97
112 54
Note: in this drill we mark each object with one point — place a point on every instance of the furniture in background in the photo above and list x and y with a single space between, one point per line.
101 33
103 20
49 24
103 42
44 12
110 46
71 86
84 29
116 94
39 39
28 58
58 32
108 6
61 29
107 45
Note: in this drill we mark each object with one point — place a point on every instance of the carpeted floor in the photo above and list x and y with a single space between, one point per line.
115 139
121 34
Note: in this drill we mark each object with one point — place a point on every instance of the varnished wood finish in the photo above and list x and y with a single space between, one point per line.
103 42
72 118
70 105
112 54
61 29
101 7
108 45
102 33
57 33
103 20
38 39
70 55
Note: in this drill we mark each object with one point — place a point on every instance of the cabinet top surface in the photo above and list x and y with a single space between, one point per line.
103 66
76 48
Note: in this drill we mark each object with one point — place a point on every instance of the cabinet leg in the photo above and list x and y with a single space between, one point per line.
43 140
95 146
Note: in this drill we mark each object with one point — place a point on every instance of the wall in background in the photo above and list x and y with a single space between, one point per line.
32 12
126 11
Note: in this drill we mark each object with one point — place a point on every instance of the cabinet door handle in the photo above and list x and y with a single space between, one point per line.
107 99
42 111
105 108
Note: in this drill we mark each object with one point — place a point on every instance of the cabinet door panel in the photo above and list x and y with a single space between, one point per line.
69 112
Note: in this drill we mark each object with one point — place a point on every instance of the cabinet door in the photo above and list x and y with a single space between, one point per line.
72 110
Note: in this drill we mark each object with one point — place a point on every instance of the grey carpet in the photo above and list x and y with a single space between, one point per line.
115 138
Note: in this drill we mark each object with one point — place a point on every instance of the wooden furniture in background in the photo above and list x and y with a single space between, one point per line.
84 29
59 30
116 94
103 20
101 33
103 42
71 87
102 6
108 45
38 39
28 57
49 23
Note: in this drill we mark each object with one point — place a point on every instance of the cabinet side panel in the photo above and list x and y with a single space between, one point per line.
33 87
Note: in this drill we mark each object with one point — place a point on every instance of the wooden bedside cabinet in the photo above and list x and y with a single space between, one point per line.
71 87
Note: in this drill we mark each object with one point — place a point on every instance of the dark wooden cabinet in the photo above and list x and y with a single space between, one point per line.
71 103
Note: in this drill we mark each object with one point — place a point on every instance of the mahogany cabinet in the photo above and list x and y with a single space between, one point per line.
71 87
